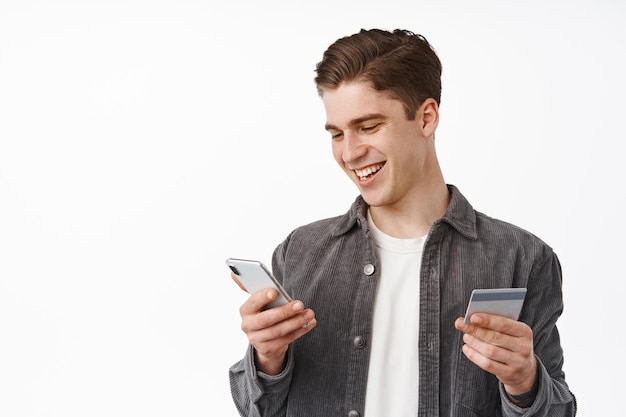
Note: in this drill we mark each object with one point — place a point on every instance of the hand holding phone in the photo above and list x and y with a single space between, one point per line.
254 276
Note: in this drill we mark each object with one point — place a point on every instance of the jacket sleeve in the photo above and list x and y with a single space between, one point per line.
544 306
257 394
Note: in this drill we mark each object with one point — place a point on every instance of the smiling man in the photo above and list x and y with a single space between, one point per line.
389 157
376 329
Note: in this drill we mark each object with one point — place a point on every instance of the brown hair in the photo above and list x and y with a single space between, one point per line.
400 63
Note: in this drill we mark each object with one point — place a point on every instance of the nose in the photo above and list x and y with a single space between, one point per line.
353 147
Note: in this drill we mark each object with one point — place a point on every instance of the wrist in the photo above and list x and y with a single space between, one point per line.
526 399
270 365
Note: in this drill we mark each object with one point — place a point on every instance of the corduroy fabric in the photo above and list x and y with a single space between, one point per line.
326 264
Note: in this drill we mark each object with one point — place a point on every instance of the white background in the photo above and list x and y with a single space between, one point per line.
143 142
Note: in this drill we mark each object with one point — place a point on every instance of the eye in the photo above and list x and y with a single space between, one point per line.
370 128
336 135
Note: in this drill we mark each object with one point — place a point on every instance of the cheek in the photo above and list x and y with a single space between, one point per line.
337 149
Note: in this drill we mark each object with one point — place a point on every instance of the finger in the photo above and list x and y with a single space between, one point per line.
499 324
490 365
509 367
256 319
510 350
234 277
490 337
492 351
280 323
478 330
272 341
506 356
258 300
284 332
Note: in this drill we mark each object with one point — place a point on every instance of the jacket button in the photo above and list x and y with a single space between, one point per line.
359 342
369 269
353 413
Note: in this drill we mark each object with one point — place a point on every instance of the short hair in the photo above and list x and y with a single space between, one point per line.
399 62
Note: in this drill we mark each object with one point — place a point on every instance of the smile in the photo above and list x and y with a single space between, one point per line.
365 173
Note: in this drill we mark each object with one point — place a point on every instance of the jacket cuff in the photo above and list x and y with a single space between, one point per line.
269 384
541 389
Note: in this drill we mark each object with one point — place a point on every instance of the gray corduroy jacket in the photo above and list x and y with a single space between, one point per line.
332 266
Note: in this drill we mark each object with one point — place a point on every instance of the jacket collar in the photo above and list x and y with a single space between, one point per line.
460 215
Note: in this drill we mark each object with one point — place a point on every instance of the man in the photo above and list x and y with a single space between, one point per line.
376 330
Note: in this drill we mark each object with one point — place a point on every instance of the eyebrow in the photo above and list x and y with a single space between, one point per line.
357 121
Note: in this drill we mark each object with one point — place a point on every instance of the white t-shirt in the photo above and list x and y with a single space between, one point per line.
393 378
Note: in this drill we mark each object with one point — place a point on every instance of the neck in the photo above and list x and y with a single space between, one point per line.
415 215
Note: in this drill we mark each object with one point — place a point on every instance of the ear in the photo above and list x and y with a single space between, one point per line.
429 117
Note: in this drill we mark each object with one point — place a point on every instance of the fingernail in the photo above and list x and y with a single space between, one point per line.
297 306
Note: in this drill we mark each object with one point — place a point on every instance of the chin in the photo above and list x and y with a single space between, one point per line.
372 200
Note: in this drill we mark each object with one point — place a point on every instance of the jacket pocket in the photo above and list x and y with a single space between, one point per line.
476 391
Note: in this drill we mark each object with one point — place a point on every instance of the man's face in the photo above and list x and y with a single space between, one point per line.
386 155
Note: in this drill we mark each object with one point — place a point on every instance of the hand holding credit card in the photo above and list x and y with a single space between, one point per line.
506 302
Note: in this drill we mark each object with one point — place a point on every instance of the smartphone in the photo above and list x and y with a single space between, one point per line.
255 276
506 302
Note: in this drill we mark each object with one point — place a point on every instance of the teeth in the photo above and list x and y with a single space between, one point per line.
364 173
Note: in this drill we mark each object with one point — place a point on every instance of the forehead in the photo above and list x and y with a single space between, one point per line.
351 101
